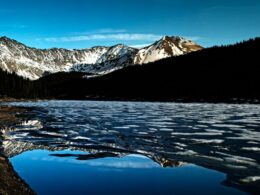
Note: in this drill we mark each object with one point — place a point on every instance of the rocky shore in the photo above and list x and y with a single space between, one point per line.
10 182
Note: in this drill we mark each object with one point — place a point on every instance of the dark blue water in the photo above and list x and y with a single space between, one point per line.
81 147
133 174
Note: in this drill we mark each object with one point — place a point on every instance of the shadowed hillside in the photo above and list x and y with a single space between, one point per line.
218 74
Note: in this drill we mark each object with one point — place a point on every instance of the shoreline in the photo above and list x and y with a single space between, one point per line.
10 181
119 99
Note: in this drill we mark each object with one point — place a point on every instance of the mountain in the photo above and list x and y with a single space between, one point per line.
164 48
218 74
116 57
34 63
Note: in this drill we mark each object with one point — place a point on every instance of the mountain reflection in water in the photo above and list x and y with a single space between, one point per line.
221 137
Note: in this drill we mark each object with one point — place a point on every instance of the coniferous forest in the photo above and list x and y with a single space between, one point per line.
217 74
12 85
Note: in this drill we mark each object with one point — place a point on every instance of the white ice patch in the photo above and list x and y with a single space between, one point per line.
255 149
208 141
250 179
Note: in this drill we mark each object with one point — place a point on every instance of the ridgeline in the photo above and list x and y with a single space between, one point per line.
217 74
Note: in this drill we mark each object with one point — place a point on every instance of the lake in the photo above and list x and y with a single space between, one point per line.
99 147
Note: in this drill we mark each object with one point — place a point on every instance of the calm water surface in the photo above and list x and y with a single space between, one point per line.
86 147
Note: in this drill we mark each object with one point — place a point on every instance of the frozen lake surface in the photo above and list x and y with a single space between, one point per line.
89 147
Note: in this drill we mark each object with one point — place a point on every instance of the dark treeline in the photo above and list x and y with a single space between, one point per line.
214 74
55 85
217 74
12 85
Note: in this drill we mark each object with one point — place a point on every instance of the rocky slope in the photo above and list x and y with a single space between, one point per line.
33 63
166 47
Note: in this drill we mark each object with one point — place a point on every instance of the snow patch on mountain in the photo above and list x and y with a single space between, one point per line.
33 63
164 48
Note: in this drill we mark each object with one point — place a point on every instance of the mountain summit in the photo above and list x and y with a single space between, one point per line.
166 47
33 63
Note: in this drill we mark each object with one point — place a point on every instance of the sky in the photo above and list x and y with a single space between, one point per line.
86 23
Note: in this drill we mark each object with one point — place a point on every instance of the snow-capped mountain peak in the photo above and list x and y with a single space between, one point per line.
165 47
33 63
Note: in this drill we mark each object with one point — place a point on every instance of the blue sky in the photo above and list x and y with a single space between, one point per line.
86 23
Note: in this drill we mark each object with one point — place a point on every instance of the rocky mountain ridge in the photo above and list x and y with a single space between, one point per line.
34 63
